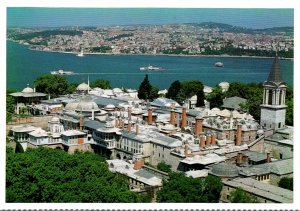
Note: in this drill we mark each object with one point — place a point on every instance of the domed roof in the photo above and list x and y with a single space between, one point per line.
87 106
224 84
83 87
260 132
253 126
27 90
110 106
225 170
244 127
168 127
55 119
225 113
71 106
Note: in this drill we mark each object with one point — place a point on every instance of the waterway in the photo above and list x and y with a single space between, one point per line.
24 66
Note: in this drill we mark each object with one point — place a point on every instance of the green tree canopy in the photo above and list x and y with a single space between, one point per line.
55 85
103 84
174 90
147 91
286 182
215 98
50 175
194 87
162 166
241 196
180 188
72 87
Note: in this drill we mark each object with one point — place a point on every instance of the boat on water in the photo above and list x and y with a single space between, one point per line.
219 64
80 54
62 72
151 68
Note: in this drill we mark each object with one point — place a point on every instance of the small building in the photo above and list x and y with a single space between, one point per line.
233 103
73 137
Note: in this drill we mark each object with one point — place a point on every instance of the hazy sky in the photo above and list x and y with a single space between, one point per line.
53 17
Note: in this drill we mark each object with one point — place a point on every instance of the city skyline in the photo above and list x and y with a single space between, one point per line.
59 17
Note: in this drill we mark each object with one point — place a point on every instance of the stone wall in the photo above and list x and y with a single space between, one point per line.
278 149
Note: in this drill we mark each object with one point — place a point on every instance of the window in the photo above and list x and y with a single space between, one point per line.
280 155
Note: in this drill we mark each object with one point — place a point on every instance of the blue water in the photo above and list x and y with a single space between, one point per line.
24 66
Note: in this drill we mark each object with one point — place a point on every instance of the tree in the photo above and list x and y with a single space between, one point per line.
55 85
241 196
192 88
215 98
290 106
103 84
72 87
174 90
145 89
286 182
49 175
10 107
180 188
162 166
153 93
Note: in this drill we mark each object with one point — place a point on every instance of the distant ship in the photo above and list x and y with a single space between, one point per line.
80 54
62 72
219 64
151 68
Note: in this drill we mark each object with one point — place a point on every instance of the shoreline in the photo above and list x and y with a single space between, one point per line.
145 54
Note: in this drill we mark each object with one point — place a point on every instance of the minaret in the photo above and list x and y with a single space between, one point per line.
273 108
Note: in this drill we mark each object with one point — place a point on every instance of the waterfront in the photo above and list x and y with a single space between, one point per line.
24 65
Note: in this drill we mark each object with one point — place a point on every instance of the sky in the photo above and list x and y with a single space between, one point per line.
56 17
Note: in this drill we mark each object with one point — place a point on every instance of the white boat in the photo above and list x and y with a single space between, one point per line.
219 64
151 68
62 72
80 54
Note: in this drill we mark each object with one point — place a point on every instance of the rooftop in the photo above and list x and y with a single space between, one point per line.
72 133
261 189
204 159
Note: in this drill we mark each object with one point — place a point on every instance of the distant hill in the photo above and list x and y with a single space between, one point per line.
237 29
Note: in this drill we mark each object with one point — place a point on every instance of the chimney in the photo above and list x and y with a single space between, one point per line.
208 139
186 150
246 159
239 158
198 126
149 116
81 122
138 164
129 126
238 135
116 122
183 119
137 129
202 140
268 157
129 113
213 138
172 117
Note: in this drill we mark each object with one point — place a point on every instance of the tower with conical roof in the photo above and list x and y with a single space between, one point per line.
273 108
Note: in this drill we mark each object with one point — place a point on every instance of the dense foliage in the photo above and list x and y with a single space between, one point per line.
179 91
162 166
51 175
187 189
100 83
147 91
241 196
101 49
287 183
55 85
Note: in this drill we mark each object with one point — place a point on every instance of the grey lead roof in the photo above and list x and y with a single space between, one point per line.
146 174
233 102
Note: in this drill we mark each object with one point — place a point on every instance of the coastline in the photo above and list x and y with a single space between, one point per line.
145 54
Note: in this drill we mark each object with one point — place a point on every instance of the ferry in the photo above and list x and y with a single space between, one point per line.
219 64
151 68
62 72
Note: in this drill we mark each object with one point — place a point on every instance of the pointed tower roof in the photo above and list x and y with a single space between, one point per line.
275 73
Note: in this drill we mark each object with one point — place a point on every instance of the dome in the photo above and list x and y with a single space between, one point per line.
83 87
244 128
110 106
253 126
225 113
225 170
224 84
168 127
87 106
55 119
71 106
260 132
27 90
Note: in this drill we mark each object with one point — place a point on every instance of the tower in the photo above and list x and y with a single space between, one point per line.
273 108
